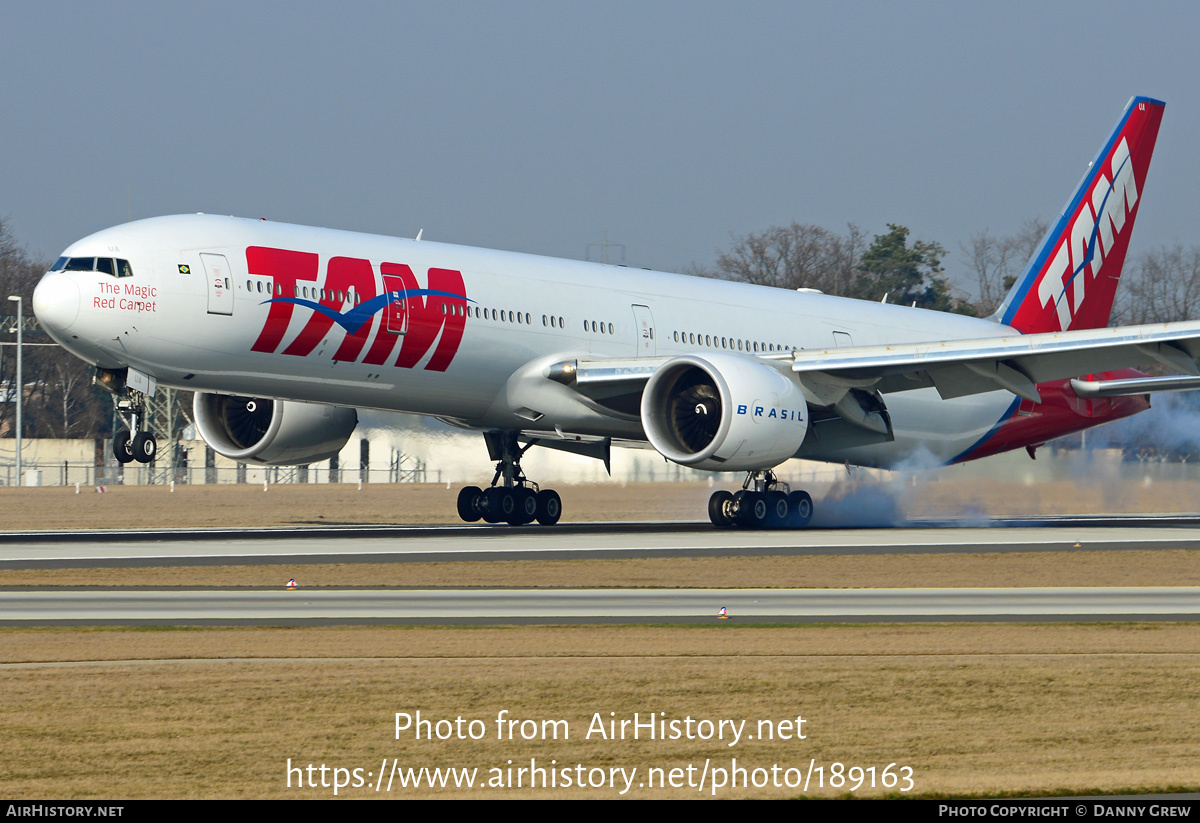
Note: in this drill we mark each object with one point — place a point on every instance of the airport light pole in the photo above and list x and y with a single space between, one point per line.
20 381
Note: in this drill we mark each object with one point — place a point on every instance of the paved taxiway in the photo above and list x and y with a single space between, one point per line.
594 605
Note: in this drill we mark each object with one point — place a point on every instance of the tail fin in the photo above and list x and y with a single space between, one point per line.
1071 281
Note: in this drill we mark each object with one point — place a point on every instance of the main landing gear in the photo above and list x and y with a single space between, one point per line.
764 503
133 443
518 500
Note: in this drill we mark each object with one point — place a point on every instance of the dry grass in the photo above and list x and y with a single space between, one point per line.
1177 567
971 709
150 507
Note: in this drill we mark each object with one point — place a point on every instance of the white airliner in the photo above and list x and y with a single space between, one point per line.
284 331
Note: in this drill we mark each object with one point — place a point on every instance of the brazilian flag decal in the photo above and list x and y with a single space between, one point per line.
185 268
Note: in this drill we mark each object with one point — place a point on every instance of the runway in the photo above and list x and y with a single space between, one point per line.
278 607
458 543
578 541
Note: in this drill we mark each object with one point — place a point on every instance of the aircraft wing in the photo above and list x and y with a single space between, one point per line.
1016 362
956 368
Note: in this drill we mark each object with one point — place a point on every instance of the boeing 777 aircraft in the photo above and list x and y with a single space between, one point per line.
284 331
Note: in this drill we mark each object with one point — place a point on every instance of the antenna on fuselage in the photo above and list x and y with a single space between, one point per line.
419 233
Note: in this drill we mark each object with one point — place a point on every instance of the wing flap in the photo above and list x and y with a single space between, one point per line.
1132 386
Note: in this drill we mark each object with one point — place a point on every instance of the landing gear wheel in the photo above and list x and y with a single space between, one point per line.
719 509
121 448
524 507
549 507
777 510
144 447
801 505
494 504
751 508
469 502
508 505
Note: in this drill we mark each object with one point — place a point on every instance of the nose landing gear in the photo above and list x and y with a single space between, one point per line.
133 443
517 500
763 502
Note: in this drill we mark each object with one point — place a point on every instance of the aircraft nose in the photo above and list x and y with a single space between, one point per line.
56 303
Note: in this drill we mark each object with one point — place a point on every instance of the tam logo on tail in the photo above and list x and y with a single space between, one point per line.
1071 281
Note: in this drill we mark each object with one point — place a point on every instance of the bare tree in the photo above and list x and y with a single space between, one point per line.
59 400
793 257
1160 286
997 262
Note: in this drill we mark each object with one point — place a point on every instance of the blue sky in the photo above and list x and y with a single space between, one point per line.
539 127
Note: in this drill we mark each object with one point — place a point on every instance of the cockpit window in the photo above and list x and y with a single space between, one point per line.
104 265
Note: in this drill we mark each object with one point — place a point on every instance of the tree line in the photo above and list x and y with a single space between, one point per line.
1158 286
59 400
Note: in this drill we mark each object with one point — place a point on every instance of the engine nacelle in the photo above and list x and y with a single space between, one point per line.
722 412
269 432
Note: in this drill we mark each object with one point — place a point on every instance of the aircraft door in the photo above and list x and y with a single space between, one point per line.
643 322
396 314
220 283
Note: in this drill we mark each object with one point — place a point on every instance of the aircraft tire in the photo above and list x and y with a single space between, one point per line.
718 509
801 506
549 507
144 447
469 500
752 509
121 447
492 507
778 509
524 507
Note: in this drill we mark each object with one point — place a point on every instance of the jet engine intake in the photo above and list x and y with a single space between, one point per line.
722 412
267 432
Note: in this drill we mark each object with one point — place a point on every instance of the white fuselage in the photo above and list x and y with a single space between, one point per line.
169 320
